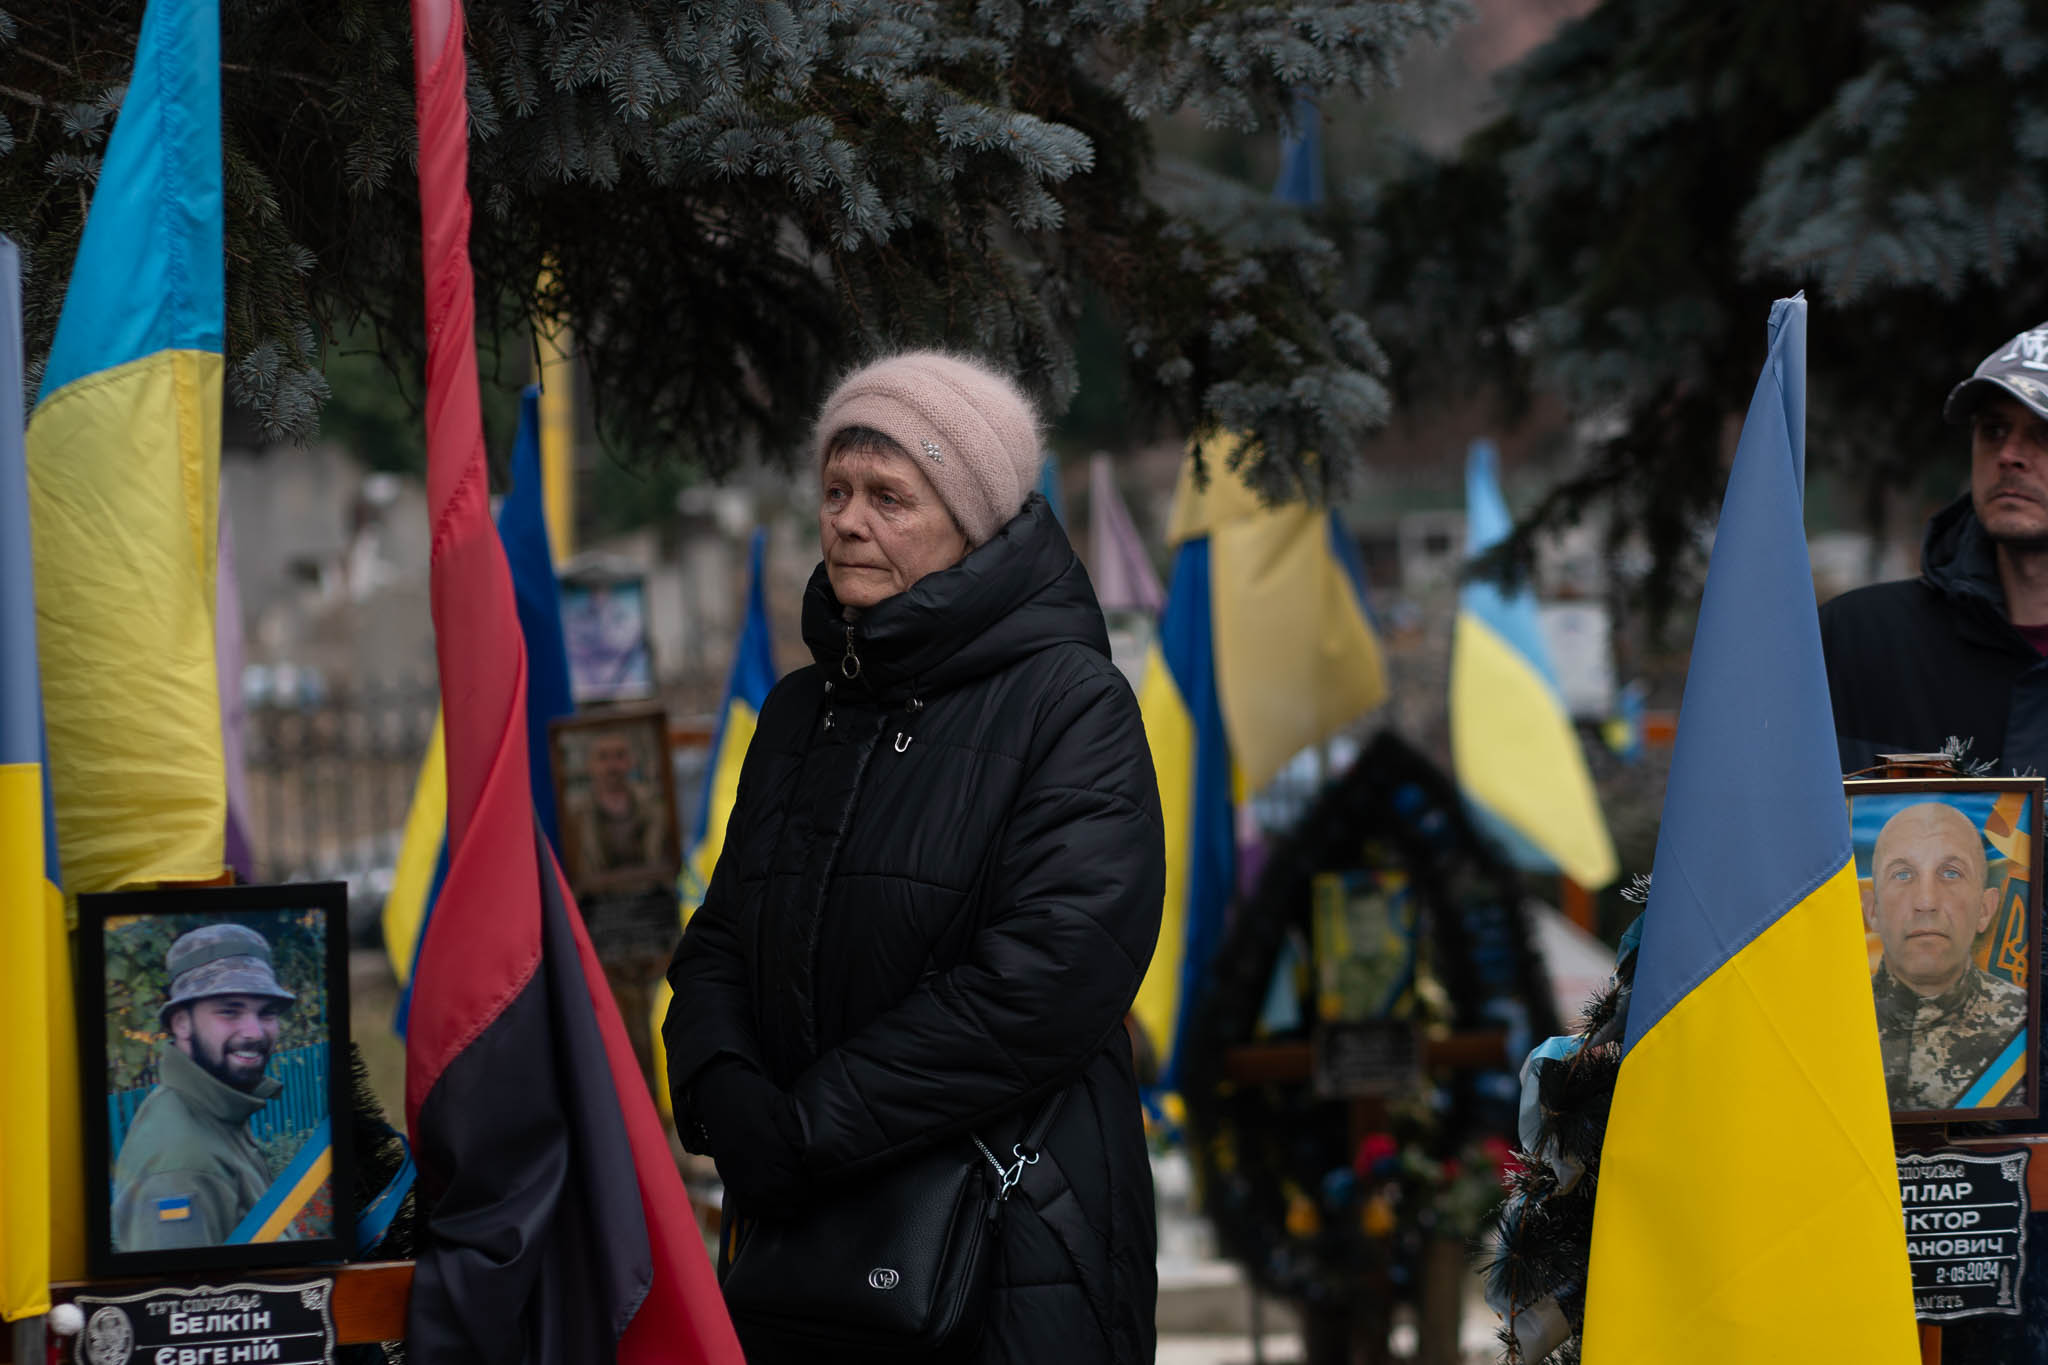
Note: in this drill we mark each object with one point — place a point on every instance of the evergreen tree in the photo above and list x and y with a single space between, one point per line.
735 199
1662 171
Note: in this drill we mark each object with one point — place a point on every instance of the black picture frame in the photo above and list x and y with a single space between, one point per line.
2011 847
304 1216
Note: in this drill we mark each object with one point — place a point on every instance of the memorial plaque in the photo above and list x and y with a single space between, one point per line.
1366 1059
278 1324
1966 1231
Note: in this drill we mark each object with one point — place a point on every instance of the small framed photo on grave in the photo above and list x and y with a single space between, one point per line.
605 631
1365 928
1949 875
213 1044
615 796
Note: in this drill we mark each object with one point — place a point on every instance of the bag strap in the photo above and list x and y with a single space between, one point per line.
1033 1140
1028 1147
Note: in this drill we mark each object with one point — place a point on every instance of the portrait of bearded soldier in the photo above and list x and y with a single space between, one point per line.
189 1169
1942 1020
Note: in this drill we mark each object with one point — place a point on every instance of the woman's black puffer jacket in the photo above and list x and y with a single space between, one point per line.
939 890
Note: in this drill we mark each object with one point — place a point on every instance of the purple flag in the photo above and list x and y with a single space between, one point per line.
1123 573
228 655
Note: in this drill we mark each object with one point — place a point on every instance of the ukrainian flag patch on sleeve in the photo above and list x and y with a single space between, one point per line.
174 1208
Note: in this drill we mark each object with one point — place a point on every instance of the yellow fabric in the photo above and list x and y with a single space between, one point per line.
1791 1252
740 721
1517 755
1170 731
124 482
725 786
557 442
1198 511
26 1009
2004 1085
42 1158
659 1051
1296 658
294 1203
426 825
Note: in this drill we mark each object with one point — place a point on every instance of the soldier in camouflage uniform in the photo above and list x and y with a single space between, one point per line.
189 1170
1942 1020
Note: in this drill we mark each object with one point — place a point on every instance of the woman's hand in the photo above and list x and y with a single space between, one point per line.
756 1138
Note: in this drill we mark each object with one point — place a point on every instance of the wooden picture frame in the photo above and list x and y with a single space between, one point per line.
615 800
1949 874
174 1183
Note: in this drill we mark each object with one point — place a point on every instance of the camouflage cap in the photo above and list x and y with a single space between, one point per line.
2018 368
220 959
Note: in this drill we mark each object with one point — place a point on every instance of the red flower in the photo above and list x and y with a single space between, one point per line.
1376 1147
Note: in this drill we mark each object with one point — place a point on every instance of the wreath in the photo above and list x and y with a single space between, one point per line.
1292 1198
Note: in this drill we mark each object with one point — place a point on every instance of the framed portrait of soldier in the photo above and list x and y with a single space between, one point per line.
1949 876
605 631
615 799
213 1041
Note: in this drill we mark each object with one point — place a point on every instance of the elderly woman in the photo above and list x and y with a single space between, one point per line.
942 879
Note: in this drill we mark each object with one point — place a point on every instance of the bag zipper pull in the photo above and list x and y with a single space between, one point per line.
849 667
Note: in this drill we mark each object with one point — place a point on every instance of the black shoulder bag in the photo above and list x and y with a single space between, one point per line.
896 1268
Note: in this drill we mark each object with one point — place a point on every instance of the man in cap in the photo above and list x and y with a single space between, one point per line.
1943 1021
616 820
189 1170
1958 651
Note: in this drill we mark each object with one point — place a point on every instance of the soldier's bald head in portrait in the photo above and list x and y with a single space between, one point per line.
1927 899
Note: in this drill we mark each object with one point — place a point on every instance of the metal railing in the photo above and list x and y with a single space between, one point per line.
300 1105
330 779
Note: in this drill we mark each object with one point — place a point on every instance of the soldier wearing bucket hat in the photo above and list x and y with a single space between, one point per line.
189 1170
1959 650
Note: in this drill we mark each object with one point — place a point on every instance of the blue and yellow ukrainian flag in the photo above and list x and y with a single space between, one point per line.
1264 603
422 867
422 853
1265 647
1748 1204
308 1175
1518 758
123 476
746 690
39 1142
1191 759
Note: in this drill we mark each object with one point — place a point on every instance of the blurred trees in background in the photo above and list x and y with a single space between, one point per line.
737 199
740 199
1660 172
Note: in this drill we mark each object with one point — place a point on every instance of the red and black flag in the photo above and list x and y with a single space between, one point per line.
556 1228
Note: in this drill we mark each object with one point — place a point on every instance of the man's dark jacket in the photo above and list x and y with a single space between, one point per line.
1912 663
939 891
189 1168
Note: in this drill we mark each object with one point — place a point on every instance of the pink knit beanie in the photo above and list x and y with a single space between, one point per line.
967 427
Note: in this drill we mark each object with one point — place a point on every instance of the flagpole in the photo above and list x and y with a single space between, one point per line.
557 379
